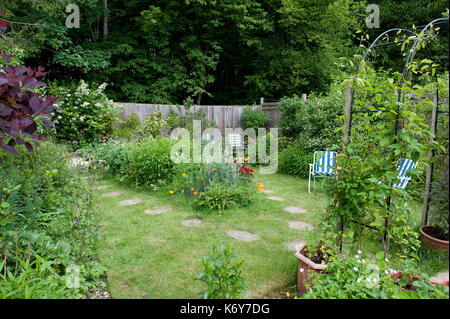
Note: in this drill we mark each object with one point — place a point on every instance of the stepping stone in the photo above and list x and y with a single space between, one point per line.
294 210
440 276
300 225
100 187
158 210
267 191
112 194
242 235
295 245
275 198
130 202
192 222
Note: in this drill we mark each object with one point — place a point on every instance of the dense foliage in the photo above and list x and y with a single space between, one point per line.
48 227
216 186
359 278
254 119
85 114
19 105
145 162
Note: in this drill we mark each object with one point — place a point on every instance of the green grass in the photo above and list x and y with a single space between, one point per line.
155 256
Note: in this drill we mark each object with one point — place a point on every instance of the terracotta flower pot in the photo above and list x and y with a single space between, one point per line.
304 266
430 241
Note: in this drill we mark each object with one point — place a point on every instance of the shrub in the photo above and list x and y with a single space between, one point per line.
221 276
154 124
86 114
142 163
128 127
294 160
314 124
254 118
290 121
20 107
220 197
216 186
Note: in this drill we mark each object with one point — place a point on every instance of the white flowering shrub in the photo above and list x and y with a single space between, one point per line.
86 113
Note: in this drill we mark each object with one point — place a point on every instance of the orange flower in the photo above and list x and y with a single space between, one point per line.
195 193
192 189
214 169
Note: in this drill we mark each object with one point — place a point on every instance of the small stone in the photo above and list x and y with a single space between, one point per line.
440 277
112 194
130 202
242 235
100 187
192 222
295 245
158 210
275 198
300 225
267 191
294 210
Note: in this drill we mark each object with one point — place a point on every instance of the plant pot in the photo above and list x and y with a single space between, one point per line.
430 241
305 265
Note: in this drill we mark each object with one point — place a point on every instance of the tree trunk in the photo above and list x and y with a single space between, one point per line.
199 98
105 19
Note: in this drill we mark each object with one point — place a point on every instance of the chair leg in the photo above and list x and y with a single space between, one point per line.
309 183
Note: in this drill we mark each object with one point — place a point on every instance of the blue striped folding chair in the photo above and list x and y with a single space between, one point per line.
322 166
404 165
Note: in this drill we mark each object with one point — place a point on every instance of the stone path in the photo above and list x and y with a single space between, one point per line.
300 225
295 245
158 210
440 276
242 235
294 210
275 198
112 194
268 191
130 202
192 222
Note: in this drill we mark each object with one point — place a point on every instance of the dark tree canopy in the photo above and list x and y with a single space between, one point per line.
214 51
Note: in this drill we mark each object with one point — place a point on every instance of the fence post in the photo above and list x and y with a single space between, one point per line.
261 103
348 111
304 98
427 195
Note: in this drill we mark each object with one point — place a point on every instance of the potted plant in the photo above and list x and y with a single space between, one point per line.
314 259
435 235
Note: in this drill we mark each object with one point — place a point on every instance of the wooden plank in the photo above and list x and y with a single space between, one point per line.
348 110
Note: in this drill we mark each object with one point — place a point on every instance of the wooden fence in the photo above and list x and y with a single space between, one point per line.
225 116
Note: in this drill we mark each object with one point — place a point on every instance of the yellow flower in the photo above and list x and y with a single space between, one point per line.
288 294
171 191
195 193
184 174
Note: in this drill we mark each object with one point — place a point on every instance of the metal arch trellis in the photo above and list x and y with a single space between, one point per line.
410 57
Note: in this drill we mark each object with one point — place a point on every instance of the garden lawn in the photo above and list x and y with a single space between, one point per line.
155 256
